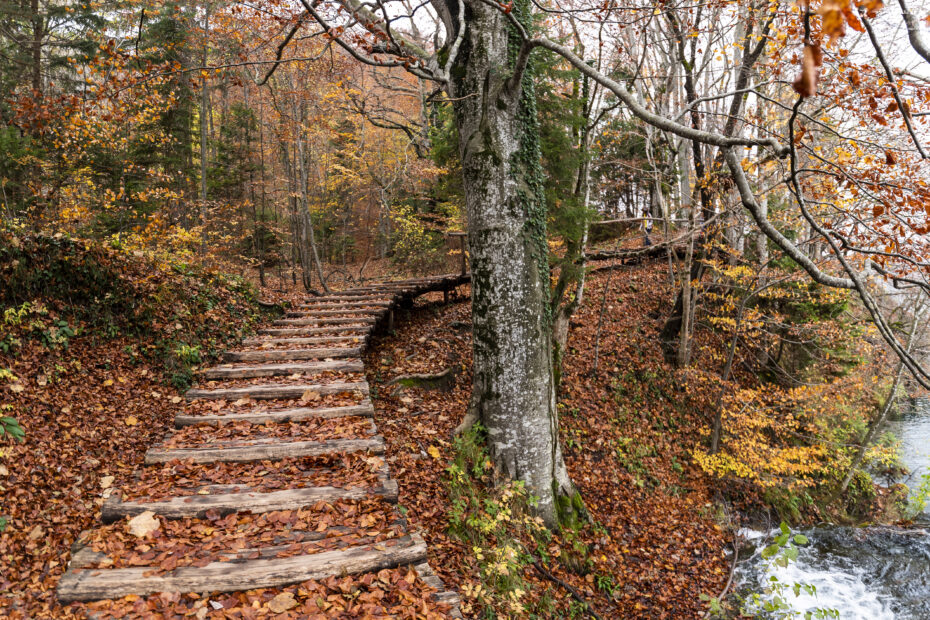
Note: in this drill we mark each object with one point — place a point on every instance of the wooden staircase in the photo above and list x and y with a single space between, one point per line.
295 400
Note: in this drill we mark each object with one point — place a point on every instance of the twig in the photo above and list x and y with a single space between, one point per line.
729 582
587 606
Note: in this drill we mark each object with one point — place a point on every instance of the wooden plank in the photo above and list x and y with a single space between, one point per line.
362 320
378 302
90 584
266 392
351 295
448 597
291 354
266 340
251 501
83 556
229 452
278 370
310 331
282 416
351 312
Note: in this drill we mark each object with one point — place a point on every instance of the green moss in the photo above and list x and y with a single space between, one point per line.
571 511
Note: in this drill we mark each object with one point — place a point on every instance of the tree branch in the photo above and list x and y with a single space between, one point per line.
913 32
905 113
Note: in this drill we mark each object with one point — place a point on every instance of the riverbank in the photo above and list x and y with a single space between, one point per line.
871 571
662 525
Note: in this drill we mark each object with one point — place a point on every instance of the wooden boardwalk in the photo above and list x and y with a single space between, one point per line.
294 400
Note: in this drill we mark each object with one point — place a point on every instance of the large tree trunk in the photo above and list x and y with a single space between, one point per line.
513 392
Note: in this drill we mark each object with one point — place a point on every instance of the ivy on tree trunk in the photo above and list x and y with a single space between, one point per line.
514 393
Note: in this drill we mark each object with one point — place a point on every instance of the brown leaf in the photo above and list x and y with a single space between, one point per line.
806 82
282 603
144 524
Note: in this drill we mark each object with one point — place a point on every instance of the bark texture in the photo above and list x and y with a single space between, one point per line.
513 395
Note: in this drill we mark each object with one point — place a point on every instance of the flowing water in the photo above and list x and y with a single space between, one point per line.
872 573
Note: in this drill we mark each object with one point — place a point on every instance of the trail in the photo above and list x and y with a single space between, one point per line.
274 473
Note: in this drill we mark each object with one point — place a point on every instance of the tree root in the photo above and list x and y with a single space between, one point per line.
587 606
443 381
467 422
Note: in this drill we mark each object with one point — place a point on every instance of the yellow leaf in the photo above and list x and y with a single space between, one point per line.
131 420
433 452
108 383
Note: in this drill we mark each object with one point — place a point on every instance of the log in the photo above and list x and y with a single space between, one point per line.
291 354
229 452
441 595
278 370
351 312
362 320
311 331
83 557
280 417
90 584
443 381
268 392
325 305
316 340
251 501
350 295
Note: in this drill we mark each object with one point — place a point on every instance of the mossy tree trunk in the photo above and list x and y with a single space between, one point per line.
513 393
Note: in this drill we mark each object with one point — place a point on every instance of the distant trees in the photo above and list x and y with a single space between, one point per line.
153 125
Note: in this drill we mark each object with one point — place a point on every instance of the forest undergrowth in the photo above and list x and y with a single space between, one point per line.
96 346
97 343
662 521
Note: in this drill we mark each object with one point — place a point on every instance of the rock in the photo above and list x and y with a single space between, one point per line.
282 603
143 524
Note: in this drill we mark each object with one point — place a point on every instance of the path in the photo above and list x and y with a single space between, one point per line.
283 430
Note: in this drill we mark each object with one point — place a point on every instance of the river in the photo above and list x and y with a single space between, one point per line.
872 573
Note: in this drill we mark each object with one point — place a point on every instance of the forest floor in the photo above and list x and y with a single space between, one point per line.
90 384
656 541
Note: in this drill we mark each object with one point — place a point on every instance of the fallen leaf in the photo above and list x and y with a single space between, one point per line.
106 482
282 602
433 452
131 420
144 524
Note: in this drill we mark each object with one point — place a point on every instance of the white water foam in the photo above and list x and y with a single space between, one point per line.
837 587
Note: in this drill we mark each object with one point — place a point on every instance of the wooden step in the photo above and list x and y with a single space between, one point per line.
441 595
279 370
251 501
352 312
329 305
282 416
362 320
267 340
351 295
93 584
312 331
234 452
291 354
268 392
